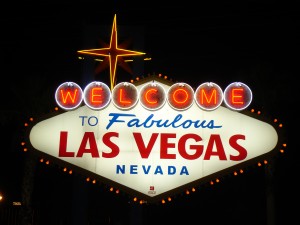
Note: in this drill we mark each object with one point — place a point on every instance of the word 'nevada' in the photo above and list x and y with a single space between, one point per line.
153 96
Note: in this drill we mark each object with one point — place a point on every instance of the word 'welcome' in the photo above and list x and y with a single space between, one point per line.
153 96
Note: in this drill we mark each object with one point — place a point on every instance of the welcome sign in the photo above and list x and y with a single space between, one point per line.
154 138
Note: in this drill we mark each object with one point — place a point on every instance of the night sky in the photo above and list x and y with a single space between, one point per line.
254 42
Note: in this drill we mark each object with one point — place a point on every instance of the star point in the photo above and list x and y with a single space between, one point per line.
113 53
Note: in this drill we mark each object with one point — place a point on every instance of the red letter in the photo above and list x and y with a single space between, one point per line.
114 148
233 143
88 137
122 99
62 152
215 139
144 151
198 148
72 99
204 99
96 95
164 145
150 99
180 92
237 96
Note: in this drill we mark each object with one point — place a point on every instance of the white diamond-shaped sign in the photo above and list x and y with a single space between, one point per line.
153 152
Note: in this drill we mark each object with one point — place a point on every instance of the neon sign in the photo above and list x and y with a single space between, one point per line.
152 96
153 137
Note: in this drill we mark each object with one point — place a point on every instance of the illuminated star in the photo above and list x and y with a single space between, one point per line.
112 53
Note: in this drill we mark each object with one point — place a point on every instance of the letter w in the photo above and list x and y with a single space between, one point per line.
68 95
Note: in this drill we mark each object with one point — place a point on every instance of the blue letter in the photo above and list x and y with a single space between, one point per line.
115 117
184 171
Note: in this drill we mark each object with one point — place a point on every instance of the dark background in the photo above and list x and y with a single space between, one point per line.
255 42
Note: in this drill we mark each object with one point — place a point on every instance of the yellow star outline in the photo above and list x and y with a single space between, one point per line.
112 52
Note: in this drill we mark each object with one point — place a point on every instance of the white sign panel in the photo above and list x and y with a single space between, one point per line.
153 152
